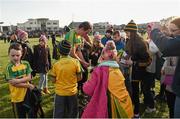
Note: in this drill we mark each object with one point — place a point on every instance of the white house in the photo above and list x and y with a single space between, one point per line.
39 24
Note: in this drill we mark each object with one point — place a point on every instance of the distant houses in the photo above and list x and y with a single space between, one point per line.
42 24
100 27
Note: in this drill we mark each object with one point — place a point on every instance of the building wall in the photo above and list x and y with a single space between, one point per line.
39 24
52 25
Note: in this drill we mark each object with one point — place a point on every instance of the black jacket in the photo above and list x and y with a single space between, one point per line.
42 62
169 47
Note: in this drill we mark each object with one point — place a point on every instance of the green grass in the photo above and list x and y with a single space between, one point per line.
5 104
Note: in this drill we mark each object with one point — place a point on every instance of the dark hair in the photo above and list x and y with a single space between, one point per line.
136 44
109 31
15 46
116 32
85 25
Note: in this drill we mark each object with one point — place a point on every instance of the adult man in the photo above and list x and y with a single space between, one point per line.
75 37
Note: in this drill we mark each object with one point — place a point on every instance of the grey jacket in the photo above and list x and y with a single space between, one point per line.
169 47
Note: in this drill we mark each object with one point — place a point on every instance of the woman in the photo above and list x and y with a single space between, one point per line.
137 49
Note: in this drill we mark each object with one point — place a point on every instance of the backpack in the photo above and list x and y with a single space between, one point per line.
32 103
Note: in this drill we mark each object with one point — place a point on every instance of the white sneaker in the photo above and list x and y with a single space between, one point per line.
136 116
150 110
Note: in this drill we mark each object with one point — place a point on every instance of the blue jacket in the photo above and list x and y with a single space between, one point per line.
169 47
105 39
119 45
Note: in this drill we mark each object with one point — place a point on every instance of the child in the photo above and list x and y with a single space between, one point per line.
107 37
96 50
65 74
109 97
18 75
22 38
42 63
168 71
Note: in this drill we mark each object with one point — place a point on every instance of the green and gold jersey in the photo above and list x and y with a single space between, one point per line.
73 38
20 71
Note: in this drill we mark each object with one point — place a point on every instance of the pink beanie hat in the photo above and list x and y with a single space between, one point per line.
109 50
43 37
21 34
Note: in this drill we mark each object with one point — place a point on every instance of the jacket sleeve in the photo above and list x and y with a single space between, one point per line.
167 45
35 57
49 58
90 85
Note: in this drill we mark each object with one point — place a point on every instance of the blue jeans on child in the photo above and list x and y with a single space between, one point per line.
43 82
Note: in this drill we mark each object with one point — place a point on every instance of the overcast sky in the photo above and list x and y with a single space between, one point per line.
113 11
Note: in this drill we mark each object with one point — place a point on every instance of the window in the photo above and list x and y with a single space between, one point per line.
48 23
31 23
28 28
54 23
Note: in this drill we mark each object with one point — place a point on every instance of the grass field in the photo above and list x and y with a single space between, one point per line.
5 104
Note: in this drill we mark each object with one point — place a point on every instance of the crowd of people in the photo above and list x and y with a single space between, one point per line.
109 73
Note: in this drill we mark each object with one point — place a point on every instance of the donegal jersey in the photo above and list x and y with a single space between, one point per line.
73 38
17 94
65 71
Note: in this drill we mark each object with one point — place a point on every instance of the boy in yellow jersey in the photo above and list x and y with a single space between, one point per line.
65 74
18 75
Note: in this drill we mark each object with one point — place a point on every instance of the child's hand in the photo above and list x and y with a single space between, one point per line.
85 64
162 72
31 86
129 62
14 81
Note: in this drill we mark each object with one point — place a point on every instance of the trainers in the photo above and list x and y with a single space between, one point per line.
150 110
136 116
46 91
42 93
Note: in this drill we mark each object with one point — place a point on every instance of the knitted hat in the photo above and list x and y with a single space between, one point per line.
64 47
66 29
131 26
21 34
43 38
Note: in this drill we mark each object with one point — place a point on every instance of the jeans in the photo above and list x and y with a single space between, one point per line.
177 108
65 107
43 82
